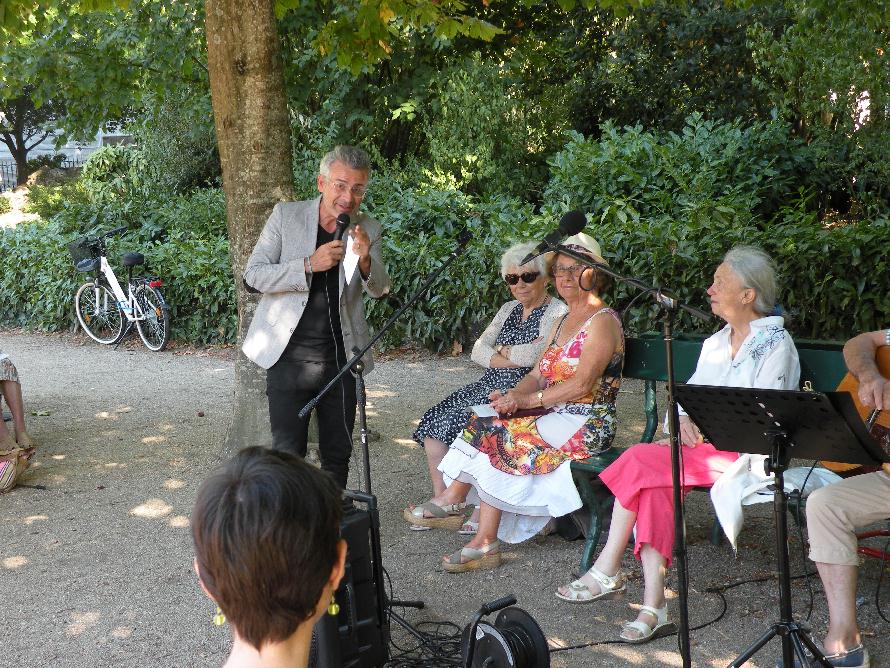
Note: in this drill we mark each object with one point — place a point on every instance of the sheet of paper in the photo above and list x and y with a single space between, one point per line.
350 261
484 410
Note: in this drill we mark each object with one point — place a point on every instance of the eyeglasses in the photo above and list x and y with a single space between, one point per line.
570 270
341 187
526 276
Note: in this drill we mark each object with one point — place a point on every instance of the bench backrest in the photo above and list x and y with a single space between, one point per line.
821 365
821 362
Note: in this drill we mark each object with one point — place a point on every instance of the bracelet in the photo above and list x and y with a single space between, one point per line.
307 265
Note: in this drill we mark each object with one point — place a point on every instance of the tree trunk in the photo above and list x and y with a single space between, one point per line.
253 133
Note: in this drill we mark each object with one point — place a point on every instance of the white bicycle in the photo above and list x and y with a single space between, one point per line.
101 305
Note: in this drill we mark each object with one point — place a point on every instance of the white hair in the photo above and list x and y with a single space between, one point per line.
512 257
757 271
351 156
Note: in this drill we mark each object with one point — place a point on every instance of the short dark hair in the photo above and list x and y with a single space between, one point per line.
266 528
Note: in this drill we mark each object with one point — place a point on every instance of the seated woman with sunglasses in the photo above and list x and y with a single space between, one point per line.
518 463
507 349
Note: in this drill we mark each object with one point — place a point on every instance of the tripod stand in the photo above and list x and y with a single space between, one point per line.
329 635
781 424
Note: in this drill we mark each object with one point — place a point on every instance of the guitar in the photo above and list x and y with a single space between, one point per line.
878 421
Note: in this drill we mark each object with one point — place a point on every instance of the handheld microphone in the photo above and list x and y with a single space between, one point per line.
342 223
569 225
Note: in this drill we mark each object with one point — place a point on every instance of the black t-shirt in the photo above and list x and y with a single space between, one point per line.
318 336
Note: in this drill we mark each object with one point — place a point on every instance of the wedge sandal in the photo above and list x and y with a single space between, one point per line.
471 559
434 516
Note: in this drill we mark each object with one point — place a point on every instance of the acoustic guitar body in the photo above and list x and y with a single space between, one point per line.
880 431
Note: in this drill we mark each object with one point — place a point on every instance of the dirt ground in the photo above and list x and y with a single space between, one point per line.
95 553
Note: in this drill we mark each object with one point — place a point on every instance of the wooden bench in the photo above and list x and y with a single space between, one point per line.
821 368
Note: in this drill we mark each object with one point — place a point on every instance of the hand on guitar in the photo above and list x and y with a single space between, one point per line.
874 391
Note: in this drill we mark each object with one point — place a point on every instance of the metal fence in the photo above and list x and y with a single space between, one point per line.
9 172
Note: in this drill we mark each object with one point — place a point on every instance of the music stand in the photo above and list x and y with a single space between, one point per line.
781 424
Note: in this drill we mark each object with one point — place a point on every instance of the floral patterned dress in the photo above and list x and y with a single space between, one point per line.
516 446
522 465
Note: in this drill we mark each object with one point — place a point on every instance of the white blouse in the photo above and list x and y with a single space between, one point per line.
766 359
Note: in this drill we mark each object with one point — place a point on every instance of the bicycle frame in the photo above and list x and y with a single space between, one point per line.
127 302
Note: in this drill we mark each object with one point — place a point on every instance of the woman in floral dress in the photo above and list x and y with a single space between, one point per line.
517 464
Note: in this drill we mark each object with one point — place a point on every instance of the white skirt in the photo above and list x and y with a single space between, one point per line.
527 501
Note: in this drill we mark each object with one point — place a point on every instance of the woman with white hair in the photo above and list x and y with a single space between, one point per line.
516 461
507 349
752 350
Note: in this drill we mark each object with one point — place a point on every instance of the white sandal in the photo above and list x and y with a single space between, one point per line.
611 586
662 626
469 528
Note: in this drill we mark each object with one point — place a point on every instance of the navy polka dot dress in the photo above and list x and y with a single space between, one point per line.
445 420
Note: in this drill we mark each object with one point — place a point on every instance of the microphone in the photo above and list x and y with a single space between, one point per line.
342 223
569 225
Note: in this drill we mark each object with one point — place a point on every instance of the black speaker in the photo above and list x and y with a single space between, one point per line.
358 637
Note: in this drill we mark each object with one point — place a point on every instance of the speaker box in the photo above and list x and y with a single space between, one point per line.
357 637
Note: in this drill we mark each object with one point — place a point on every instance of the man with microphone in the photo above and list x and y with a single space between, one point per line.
311 314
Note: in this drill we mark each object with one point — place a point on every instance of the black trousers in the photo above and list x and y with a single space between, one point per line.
290 385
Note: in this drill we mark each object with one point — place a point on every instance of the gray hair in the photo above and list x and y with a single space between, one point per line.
512 257
757 271
351 156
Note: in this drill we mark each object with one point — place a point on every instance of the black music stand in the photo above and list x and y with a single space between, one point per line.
782 424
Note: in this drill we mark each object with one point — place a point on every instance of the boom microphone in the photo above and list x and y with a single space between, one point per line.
569 225
342 223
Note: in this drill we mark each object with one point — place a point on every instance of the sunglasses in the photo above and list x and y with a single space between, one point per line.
526 276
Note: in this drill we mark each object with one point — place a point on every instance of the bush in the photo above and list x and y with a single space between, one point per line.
47 201
177 142
420 227
5 205
182 238
725 171
53 161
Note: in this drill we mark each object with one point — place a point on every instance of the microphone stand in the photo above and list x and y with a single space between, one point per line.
357 366
668 306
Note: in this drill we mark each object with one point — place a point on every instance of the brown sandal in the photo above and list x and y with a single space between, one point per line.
440 517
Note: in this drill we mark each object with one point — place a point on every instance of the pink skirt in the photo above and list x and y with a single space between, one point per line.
641 481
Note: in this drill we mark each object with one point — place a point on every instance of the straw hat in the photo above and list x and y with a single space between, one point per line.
587 245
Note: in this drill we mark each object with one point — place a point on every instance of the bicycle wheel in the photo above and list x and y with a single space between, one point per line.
98 312
154 321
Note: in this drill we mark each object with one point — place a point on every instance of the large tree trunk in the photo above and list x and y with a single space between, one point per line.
253 132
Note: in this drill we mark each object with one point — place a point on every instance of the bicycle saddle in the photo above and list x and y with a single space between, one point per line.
88 265
133 259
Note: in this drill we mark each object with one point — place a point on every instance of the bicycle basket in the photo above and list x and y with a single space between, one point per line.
82 249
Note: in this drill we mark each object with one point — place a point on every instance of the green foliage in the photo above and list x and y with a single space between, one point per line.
182 237
483 135
53 161
669 60
177 141
37 278
5 206
47 201
727 172
833 279
420 227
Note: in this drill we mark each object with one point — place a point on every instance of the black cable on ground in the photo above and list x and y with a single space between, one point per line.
439 648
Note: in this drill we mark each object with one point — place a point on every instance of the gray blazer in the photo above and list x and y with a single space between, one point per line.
276 269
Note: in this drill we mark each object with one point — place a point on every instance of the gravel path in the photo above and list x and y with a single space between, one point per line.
95 554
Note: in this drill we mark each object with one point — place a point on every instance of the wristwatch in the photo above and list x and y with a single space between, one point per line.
498 348
541 398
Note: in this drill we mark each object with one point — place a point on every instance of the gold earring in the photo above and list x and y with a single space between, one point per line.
333 607
219 618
